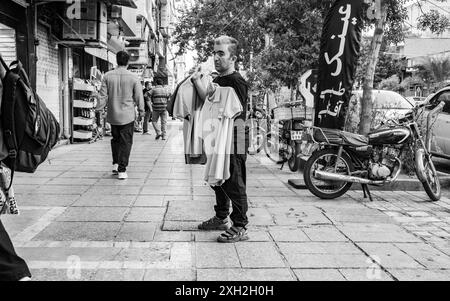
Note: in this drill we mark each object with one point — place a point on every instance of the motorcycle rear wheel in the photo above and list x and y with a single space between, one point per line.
427 174
324 158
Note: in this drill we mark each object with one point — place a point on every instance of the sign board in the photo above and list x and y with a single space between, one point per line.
308 86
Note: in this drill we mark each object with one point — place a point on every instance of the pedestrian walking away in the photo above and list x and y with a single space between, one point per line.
148 107
159 96
120 91
234 188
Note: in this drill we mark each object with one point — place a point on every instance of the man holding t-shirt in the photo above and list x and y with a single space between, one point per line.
234 189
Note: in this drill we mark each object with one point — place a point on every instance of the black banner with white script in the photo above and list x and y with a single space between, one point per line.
339 50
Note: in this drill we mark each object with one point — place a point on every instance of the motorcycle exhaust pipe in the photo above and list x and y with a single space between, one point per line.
329 176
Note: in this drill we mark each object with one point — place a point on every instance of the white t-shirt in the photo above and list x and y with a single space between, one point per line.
187 107
217 116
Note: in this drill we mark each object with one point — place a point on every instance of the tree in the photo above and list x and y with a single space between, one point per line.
435 69
392 15
295 29
388 65
208 19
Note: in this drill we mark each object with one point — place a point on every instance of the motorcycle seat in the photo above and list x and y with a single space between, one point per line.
340 137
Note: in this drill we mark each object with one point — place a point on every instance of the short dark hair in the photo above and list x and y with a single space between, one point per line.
232 43
122 58
159 81
146 83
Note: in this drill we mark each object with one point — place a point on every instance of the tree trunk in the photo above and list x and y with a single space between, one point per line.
374 51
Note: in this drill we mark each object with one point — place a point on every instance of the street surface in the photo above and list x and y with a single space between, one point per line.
78 222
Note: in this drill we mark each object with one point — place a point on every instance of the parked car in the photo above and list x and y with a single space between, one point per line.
386 105
416 99
440 145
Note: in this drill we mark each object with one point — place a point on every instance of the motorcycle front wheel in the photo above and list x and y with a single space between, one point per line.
427 174
327 160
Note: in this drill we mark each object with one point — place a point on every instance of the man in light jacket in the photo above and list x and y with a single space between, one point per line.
120 90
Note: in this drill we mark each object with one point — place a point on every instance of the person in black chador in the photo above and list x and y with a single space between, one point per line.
12 267
234 189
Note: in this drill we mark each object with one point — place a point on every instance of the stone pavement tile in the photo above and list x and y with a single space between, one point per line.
72 181
60 275
203 190
389 256
173 236
63 254
259 255
30 180
289 235
169 275
157 183
314 261
298 215
377 233
215 255
61 189
150 201
244 275
115 182
260 217
324 233
319 275
367 274
320 248
26 189
93 214
136 232
118 275
156 253
192 211
179 226
255 192
146 214
105 201
420 275
45 200
122 190
166 190
355 218
428 256
47 174
79 231
211 236
15 224
85 175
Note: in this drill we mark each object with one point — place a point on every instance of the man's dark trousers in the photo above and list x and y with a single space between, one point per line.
235 189
121 144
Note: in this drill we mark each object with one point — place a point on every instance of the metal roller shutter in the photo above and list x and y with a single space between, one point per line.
8 43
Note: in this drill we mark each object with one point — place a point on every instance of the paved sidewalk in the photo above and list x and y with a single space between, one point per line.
78 222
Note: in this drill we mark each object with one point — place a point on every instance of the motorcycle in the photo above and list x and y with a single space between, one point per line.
344 158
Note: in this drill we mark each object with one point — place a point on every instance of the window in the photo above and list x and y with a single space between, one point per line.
445 97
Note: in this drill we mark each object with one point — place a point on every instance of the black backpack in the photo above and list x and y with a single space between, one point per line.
30 130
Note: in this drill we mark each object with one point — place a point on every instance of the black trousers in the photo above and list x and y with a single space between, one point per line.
122 140
12 267
234 191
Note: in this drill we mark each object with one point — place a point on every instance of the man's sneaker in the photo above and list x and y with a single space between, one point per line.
215 223
164 137
157 137
234 234
122 176
146 133
115 168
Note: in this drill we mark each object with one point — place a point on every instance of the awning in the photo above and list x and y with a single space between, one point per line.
127 3
102 53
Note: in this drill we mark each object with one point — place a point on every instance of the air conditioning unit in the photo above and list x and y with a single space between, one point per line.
116 12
